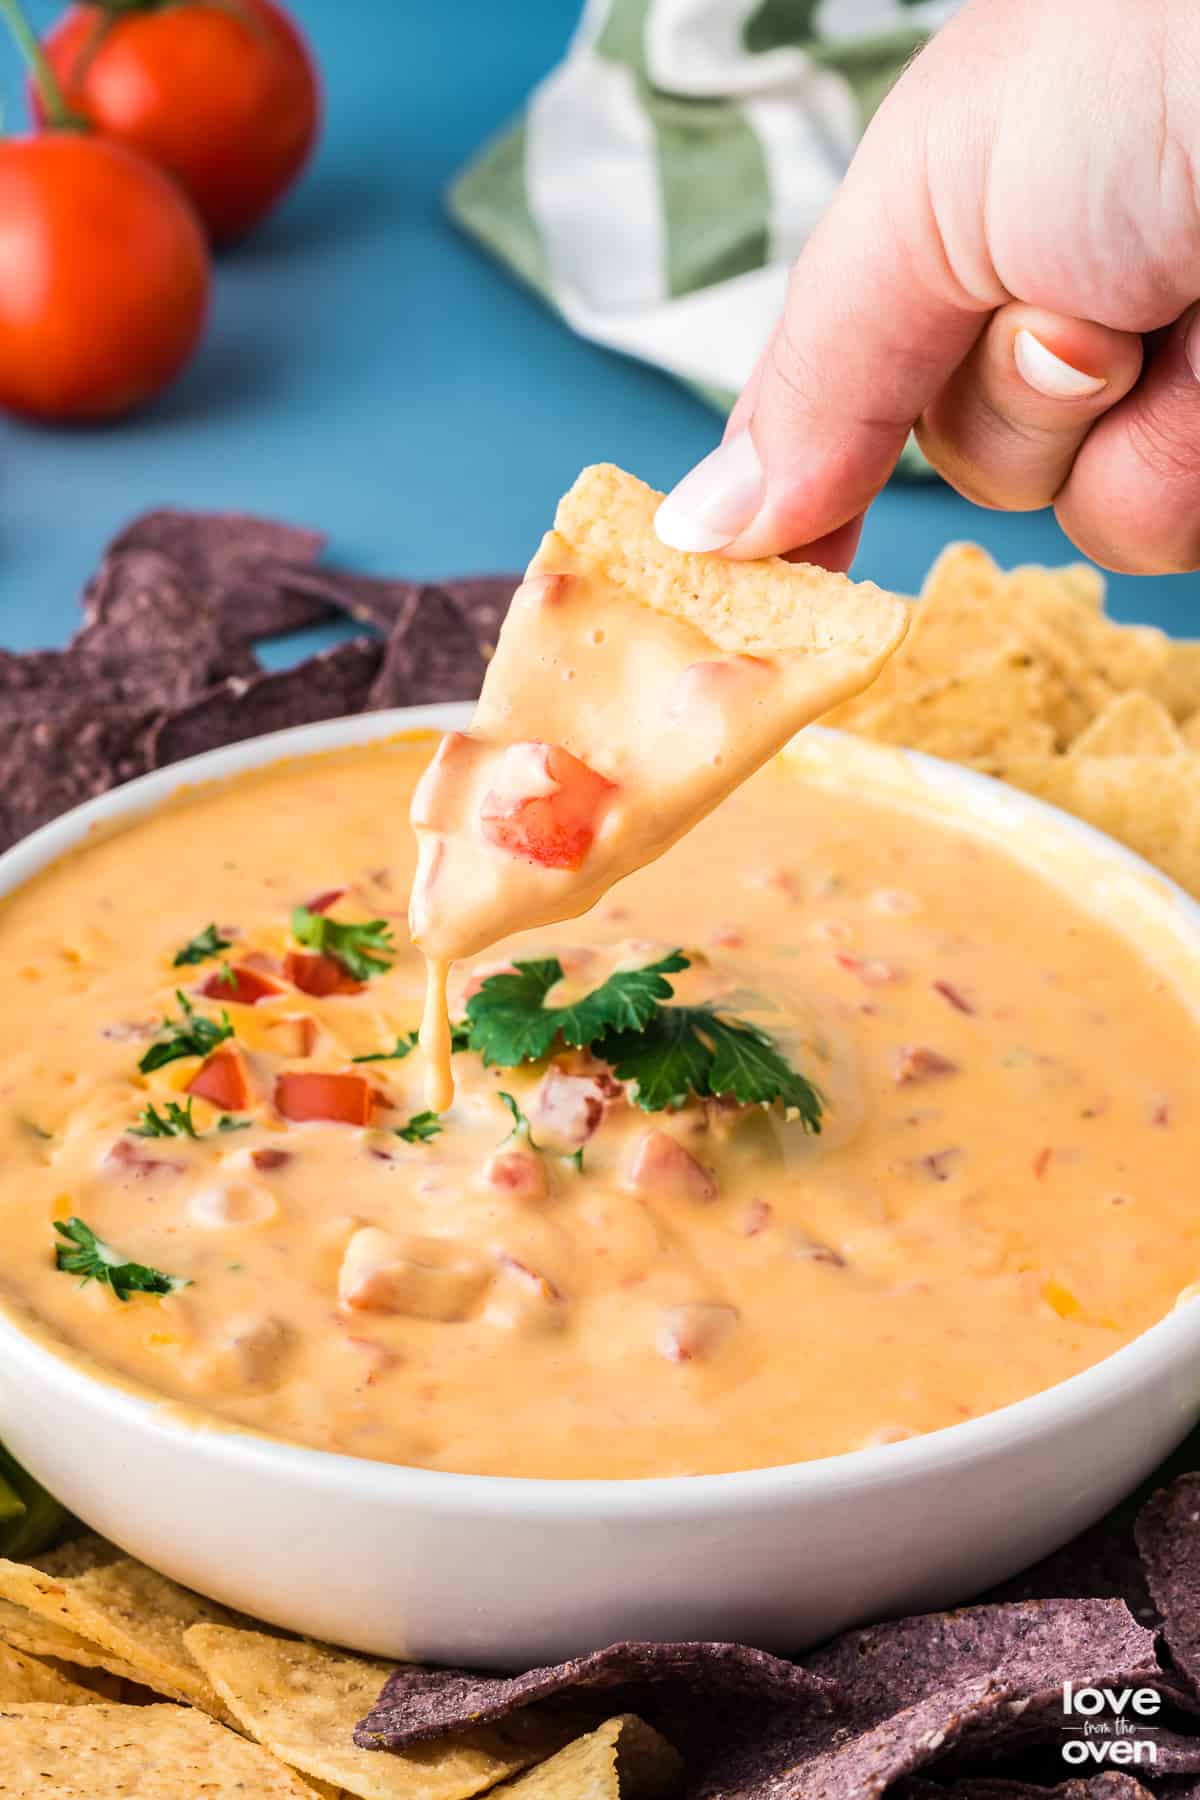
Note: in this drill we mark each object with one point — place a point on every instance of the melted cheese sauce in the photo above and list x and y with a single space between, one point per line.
1002 1195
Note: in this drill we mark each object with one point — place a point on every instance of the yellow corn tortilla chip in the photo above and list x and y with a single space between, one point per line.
73 1655
138 1616
24 1678
1155 809
134 1753
994 708
1177 683
1132 724
1191 731
303 1700
971 612
622 1760
755 608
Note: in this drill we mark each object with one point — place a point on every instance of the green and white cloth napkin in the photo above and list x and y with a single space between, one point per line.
666 173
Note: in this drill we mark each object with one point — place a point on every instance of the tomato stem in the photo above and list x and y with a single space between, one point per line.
58 112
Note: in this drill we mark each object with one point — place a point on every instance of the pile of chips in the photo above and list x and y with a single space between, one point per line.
115 1681
1023 676
163 666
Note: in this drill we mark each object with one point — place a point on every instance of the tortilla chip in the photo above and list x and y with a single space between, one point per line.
302 1700
418 1704
913 1691
24 1678
1157 817
622 1760
1168 1539
995 708
1132 724
432 654
89 1587
54 761
325 687
231 561
1191 731
134 1753
151 639
1111 1785
1177 682
753 608
45 1639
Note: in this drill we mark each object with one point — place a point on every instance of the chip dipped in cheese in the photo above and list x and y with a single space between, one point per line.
633 687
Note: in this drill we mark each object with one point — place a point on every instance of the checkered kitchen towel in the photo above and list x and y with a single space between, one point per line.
665 175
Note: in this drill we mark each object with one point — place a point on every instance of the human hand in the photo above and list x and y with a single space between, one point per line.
1011 265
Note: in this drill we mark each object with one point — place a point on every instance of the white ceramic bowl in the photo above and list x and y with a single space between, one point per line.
494 1571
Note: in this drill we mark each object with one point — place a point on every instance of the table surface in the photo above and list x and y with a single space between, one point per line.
369 371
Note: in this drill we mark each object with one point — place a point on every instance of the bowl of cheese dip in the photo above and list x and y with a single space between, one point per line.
584 1360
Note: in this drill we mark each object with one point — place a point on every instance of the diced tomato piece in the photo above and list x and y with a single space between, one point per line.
305 1094
242 985
663 1168
270 1158
546 806
222 1080
321 903
318 975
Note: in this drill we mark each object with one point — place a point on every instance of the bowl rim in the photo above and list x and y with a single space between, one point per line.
1163 1349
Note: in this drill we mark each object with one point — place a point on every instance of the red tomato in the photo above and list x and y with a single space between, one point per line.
104 276
553 824
318 975
223 93
344 1099
242 984
222 1080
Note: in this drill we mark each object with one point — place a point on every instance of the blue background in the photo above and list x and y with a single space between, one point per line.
369 371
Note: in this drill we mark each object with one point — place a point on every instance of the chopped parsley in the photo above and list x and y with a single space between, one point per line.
206 943
174 1121
177 1121
363 950
522 1130
192 1034
508 1021
666 1051
84 1254
693 1049
405 1044
421 1128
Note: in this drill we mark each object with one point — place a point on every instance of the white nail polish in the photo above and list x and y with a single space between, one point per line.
1048 374
716 500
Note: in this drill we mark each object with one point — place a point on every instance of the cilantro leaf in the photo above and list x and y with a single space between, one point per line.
83 1253
421 1128
190 1035
460 1038
227 1122
363 950
694 1049
206 943
405 1044
509 1022
522 1130
176 1121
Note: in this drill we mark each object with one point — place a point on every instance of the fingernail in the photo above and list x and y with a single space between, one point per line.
1191 342
715 500
1049 374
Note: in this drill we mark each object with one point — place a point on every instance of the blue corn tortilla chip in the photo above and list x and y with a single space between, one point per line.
327 686
911 1692
69 753
229 560
431 654
1168 1541
419 1704
482 600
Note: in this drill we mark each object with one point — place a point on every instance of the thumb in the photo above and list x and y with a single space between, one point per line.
875 322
